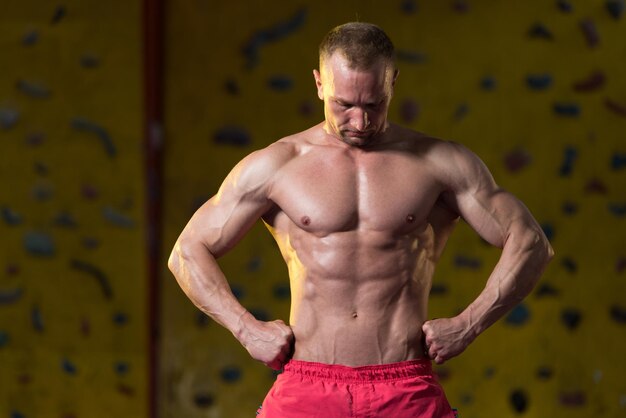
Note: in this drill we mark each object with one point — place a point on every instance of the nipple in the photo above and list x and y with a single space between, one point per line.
306 220
410 218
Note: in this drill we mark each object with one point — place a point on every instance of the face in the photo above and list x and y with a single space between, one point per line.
356 102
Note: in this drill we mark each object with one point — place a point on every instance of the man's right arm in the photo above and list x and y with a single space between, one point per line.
211 232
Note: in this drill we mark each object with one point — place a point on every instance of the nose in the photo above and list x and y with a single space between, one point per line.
361 120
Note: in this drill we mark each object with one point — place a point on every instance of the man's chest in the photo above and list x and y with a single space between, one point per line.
337 192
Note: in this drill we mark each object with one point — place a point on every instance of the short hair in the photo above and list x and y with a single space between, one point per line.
362 44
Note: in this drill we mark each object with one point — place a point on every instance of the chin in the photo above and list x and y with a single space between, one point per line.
358 141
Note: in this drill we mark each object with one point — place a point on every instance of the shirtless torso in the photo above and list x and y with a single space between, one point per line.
361 232
361 210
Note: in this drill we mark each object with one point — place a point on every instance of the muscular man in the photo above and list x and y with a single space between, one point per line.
361 210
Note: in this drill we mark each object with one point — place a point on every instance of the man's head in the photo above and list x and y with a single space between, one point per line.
362 44
355 81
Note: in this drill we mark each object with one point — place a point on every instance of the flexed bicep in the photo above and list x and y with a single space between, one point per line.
490 210
242 199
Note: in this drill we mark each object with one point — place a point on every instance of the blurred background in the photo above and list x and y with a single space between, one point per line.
118 119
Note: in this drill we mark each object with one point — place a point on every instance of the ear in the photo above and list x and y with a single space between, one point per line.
318 84
395 77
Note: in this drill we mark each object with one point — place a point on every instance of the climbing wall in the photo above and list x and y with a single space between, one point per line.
535 88
73 340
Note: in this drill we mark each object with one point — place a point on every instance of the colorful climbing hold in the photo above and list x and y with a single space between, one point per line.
573 399
280 83
548 229
588 27
65 220
120 318
408 6
519 400
409 110
613 106
546 289
121 368
8 117
85 125
410 57
203 399
488 83
565 6
545 373
472 263
37 319
618 161
617 209
540 31
618 314
10 216
274 33
570 154
232 135
595 186
117 218
95 273
593 82
59 14
231 87
571 110
516 160
539 81
33 89
8 297
4 338
39 244
569 208
68 367
282 291
615 8
231 374
202 319
254 264
461 111
460 6
89 61
569 264
260 314
30 38
518 316
571 317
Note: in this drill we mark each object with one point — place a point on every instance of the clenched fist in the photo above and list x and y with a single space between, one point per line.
269 342
446 338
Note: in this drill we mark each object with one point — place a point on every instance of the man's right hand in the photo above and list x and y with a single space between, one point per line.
268 342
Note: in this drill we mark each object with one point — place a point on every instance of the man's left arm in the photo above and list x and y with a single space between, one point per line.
502 220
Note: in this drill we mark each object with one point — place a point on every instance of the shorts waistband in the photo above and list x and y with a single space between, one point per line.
372 373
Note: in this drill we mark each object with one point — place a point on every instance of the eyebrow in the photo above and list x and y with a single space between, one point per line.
347 102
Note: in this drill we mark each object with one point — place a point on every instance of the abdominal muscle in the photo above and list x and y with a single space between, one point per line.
355 301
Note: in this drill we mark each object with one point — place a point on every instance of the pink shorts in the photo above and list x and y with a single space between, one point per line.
313 390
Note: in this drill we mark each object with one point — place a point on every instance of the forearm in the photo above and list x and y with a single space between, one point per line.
204 283
523 259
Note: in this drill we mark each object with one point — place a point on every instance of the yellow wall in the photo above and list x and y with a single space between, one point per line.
212 85
72 201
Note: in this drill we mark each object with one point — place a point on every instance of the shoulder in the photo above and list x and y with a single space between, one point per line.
457 166
259 168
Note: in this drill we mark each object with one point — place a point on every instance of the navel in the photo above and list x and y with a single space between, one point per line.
354 315
305 220
410 218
